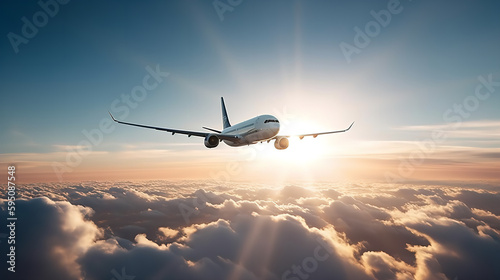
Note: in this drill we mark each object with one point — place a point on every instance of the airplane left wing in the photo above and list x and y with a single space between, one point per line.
174 131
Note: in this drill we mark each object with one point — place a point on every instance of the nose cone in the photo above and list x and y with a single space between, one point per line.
271 125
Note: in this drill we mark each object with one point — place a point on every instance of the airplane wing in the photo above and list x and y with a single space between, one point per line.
174 131
301 136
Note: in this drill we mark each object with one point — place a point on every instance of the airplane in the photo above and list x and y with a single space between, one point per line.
259 129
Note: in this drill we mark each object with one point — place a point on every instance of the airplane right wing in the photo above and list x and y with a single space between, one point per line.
301 136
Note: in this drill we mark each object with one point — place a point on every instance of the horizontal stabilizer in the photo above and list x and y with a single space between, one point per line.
211 129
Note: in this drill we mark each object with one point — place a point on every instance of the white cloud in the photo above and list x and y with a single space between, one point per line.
363 231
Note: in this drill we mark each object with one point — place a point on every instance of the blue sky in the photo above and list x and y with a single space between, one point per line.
263 57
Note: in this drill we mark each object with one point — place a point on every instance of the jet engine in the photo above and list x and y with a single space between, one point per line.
281 143
211 141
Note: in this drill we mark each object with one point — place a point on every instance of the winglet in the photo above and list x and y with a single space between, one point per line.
349 126
112 116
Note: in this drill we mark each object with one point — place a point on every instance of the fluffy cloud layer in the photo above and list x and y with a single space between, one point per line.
160 230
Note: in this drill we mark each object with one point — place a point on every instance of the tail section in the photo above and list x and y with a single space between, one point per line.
225 118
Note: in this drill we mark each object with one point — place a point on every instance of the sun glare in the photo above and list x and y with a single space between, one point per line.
303 160
302 152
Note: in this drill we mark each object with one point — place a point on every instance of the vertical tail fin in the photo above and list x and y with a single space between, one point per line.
225 118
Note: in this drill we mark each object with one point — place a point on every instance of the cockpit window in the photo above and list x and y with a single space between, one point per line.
267 121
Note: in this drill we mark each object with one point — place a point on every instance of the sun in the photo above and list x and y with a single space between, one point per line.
302 160
302 152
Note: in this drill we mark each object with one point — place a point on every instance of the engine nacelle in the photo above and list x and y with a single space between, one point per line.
211 141
281 143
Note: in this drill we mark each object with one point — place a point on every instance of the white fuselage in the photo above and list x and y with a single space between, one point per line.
252 131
